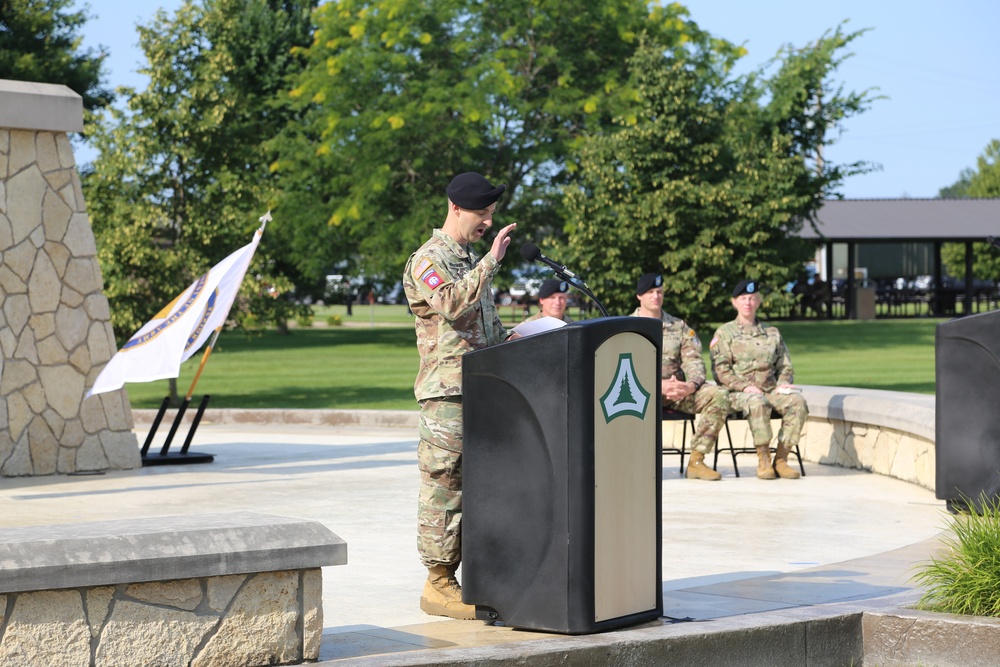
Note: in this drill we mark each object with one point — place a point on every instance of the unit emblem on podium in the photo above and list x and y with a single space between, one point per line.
624 396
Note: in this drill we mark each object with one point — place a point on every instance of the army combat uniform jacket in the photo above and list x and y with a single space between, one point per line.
537 316
448 289
754 355
682 359
681 356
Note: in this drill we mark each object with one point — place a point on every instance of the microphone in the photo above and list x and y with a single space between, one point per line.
531 253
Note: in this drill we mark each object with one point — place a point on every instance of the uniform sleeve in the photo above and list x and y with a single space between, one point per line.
501 334
430 287
722 362
783 364
691 362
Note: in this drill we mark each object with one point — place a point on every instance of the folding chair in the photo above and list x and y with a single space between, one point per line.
669 415
733 450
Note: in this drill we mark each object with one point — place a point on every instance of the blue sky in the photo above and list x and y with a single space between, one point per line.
935 62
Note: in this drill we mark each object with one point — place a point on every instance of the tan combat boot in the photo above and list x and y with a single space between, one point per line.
698 470
443 596
781 463
764 468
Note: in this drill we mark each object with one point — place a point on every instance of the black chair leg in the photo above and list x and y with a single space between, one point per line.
732 449
684 433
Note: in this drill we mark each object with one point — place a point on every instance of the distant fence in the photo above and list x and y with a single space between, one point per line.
893 303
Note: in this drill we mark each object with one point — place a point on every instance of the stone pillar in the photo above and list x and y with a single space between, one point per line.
55 324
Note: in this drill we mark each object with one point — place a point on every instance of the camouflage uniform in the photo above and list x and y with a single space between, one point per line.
756 355
682 358
448 290
537 316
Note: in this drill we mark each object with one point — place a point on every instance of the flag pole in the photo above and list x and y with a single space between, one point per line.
204 360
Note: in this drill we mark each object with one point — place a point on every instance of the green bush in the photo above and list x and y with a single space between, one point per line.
303 320
966 578
334 321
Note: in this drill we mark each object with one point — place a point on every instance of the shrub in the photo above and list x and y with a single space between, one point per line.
966 578
303 320
333 321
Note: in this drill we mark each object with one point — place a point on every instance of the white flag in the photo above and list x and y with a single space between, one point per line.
157 350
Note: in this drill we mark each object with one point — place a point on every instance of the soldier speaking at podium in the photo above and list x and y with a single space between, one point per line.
448 288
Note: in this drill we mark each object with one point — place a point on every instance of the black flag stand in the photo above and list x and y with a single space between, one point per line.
166 457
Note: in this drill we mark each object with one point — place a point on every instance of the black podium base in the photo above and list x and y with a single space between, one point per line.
172 458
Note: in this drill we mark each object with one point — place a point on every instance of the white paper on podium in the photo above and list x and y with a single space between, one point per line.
538 326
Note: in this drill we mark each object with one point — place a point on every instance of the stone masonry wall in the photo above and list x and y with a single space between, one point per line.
55 329
846 444
270 618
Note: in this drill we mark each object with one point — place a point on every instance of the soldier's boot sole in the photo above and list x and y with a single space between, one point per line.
702 471
459 610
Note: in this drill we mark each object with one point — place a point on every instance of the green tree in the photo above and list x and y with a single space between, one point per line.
182 174
39 42
959 188
709 178
983 181
986 180
399 97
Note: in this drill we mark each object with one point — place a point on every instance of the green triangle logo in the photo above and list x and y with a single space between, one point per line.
624 396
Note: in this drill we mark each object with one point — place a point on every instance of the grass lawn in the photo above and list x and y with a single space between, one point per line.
897 355
372 367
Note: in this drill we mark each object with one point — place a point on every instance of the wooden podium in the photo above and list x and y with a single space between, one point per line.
561 519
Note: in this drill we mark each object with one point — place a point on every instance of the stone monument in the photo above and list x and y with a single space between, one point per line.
55 324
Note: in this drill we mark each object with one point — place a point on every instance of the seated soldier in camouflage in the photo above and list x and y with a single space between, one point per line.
552 301
750 359
683 377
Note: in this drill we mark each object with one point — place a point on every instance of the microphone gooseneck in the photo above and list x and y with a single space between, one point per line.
530 252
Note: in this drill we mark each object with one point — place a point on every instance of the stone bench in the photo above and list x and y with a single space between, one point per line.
886 432
215 589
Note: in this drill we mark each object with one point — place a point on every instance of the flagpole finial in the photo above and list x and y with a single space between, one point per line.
264 219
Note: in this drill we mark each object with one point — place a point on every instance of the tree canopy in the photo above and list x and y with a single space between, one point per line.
623 137
708 178
983 181
182 174
40 42
398 97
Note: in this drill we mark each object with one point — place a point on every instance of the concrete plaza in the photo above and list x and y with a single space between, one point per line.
737 550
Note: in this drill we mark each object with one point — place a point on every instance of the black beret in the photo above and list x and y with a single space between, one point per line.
648 281
746 286
470 190
551 286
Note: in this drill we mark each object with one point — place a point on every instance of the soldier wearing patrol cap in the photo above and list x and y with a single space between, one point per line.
683 376
552 299
448 288
750 359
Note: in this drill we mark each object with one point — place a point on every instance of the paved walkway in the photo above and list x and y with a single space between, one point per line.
741 546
